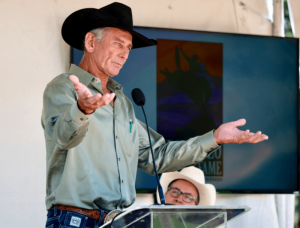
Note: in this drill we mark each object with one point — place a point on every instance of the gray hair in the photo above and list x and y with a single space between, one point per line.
99 33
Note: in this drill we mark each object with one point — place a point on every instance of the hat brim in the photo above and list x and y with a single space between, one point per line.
79 23
207 192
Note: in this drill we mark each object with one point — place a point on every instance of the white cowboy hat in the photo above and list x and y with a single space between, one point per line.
207 192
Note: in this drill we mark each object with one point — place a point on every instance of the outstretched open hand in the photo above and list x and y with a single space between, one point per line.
87 102
229 133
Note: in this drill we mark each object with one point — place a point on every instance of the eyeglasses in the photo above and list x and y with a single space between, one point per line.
186 197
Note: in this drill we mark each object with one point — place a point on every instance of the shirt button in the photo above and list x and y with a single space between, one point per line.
116 137
119 159
81 119
122 181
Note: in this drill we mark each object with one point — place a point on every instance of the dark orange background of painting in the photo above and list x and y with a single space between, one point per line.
209 53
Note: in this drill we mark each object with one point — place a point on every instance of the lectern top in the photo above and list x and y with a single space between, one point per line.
162 216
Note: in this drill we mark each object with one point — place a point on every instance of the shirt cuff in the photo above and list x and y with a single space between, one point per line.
208 142
77 116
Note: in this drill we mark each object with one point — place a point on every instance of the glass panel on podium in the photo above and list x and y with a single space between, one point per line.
166 216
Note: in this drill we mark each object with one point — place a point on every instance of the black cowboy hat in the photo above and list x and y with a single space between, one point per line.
116 15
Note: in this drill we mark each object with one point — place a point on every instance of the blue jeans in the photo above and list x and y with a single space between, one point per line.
67 219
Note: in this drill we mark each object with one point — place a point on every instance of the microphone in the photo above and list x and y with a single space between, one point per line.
139 99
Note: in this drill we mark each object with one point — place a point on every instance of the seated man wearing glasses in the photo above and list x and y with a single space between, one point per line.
187 187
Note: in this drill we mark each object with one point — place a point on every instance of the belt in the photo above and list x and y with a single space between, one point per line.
94 214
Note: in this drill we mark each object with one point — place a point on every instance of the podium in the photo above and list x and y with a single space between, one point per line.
173 216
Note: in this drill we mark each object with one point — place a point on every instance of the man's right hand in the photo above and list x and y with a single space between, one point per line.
87 102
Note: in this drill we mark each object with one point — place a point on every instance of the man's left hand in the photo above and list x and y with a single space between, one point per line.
229 133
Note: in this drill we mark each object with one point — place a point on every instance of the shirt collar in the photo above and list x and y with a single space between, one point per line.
113 85
85 78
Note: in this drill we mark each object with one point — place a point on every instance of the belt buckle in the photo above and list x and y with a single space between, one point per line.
110 216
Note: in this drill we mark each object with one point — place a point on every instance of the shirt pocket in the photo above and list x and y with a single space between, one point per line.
129 140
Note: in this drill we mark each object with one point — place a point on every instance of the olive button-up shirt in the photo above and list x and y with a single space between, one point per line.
92 160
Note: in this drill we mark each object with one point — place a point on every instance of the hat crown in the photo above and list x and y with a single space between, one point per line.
120 12
116 15
194 173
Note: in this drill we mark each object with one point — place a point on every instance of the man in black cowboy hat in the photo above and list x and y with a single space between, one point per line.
94 142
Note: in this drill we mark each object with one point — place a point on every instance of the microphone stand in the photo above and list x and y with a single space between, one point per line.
160 190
